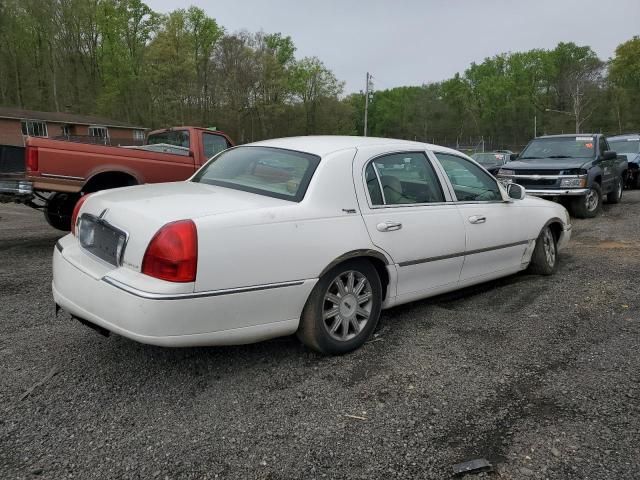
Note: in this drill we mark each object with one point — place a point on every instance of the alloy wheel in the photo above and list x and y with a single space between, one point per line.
591 200
549 245
347 305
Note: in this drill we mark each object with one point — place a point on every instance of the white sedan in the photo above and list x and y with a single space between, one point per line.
306 235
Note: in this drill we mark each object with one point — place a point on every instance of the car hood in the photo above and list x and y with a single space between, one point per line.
547 163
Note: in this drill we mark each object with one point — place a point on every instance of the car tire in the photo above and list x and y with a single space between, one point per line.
59 209
616 194
589 205
544 260
343 309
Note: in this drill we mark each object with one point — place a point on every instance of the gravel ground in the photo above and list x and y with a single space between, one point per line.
538 375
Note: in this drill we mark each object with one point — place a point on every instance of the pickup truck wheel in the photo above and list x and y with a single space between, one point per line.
616 194
59 208
544 260
343 308
589 205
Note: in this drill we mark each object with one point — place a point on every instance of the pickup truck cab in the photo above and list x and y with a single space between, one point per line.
53 174
578 170
629 146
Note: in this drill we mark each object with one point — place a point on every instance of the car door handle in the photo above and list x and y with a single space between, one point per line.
477 219
388 226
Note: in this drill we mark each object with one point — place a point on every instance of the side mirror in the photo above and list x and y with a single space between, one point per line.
515 191
609 155
513 156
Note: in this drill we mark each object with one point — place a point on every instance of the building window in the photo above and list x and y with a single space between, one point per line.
100 132
66 130
34 128
138 135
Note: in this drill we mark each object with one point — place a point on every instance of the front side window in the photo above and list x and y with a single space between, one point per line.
34 128
401 179
470 183
273 172
213 144
602 146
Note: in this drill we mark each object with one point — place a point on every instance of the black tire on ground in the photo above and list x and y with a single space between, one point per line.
332 320
544 260
588 206
58 210
616 194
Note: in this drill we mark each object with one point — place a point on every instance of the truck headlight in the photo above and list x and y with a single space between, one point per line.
506 172
573 182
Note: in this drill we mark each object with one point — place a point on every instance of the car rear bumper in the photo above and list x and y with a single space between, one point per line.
559 192
13 189
224 317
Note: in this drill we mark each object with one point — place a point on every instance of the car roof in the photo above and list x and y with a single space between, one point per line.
625 136
568 135
323 145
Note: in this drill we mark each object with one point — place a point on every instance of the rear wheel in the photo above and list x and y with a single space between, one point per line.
58 210
343 308
544 260
589 205
616 194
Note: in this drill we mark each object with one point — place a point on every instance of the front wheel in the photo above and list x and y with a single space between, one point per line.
343 309
616 194
58 210
544 260
589 205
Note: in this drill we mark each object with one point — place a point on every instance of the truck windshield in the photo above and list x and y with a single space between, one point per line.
273 172
178 138
560 147
625 145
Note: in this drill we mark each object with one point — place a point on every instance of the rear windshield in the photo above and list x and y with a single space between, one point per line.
273 172
560 147
626 145
178 138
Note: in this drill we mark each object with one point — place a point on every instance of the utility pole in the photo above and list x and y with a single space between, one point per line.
366 104
535 126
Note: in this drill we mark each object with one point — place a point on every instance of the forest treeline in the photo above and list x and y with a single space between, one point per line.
122 60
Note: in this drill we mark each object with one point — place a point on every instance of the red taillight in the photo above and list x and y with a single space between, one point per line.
32 159
76 210
173 253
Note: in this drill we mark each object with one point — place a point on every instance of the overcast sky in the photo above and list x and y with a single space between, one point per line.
410 42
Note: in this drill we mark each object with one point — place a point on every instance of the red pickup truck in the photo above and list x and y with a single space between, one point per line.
52 174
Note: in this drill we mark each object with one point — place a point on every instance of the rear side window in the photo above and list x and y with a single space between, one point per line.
178 138
470 183
402 179
213 144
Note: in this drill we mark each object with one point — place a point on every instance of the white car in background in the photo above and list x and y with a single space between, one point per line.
306 235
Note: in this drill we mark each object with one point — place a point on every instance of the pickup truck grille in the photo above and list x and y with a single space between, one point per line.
537 172
536 182
101 239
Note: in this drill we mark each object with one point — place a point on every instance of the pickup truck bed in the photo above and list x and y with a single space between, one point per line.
53 174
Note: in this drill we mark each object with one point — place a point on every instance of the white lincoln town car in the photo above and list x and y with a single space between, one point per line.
306 235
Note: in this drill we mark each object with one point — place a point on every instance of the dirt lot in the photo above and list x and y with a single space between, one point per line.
539 375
